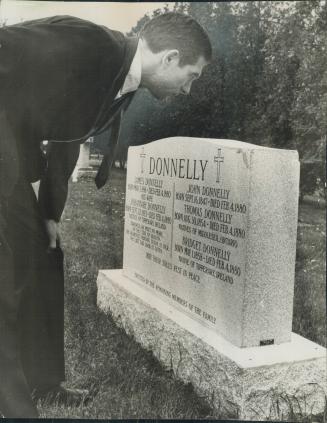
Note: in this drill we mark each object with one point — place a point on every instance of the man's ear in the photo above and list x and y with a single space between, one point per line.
171 57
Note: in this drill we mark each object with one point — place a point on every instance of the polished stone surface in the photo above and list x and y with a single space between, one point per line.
210 227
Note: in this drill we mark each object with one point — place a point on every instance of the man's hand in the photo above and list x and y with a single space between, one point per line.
52 228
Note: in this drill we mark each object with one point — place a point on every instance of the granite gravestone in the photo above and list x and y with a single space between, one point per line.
83 163
211 228
208 274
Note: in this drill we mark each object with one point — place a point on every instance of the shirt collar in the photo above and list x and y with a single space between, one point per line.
133 78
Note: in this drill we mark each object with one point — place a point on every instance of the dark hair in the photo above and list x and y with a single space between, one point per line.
177 31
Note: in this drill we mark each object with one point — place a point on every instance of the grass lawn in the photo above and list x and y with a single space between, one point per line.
128 382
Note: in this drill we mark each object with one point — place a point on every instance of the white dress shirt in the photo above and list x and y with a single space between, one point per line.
133 78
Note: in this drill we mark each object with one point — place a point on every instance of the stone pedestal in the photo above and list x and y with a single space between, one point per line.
256 383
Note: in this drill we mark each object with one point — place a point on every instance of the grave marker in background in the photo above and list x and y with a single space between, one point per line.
83 163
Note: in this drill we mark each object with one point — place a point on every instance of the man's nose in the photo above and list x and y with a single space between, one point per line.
186 89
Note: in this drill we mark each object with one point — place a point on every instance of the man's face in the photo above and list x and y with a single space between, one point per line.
170 79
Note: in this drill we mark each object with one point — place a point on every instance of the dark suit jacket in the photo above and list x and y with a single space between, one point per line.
58 80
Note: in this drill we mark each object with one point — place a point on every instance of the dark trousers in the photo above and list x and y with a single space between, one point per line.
31 305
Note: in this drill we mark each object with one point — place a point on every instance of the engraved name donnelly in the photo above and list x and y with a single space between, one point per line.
178 168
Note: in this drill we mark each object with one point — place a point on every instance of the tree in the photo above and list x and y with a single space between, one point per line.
266 83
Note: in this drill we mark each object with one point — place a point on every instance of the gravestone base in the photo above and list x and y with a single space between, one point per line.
87 171
83 171
256 383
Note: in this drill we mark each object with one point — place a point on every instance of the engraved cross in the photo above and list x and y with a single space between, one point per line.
142 155
219 159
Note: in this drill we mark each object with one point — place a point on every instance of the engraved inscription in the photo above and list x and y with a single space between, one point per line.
185 229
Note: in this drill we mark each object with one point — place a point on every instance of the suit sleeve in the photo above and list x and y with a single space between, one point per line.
54 184
9 169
